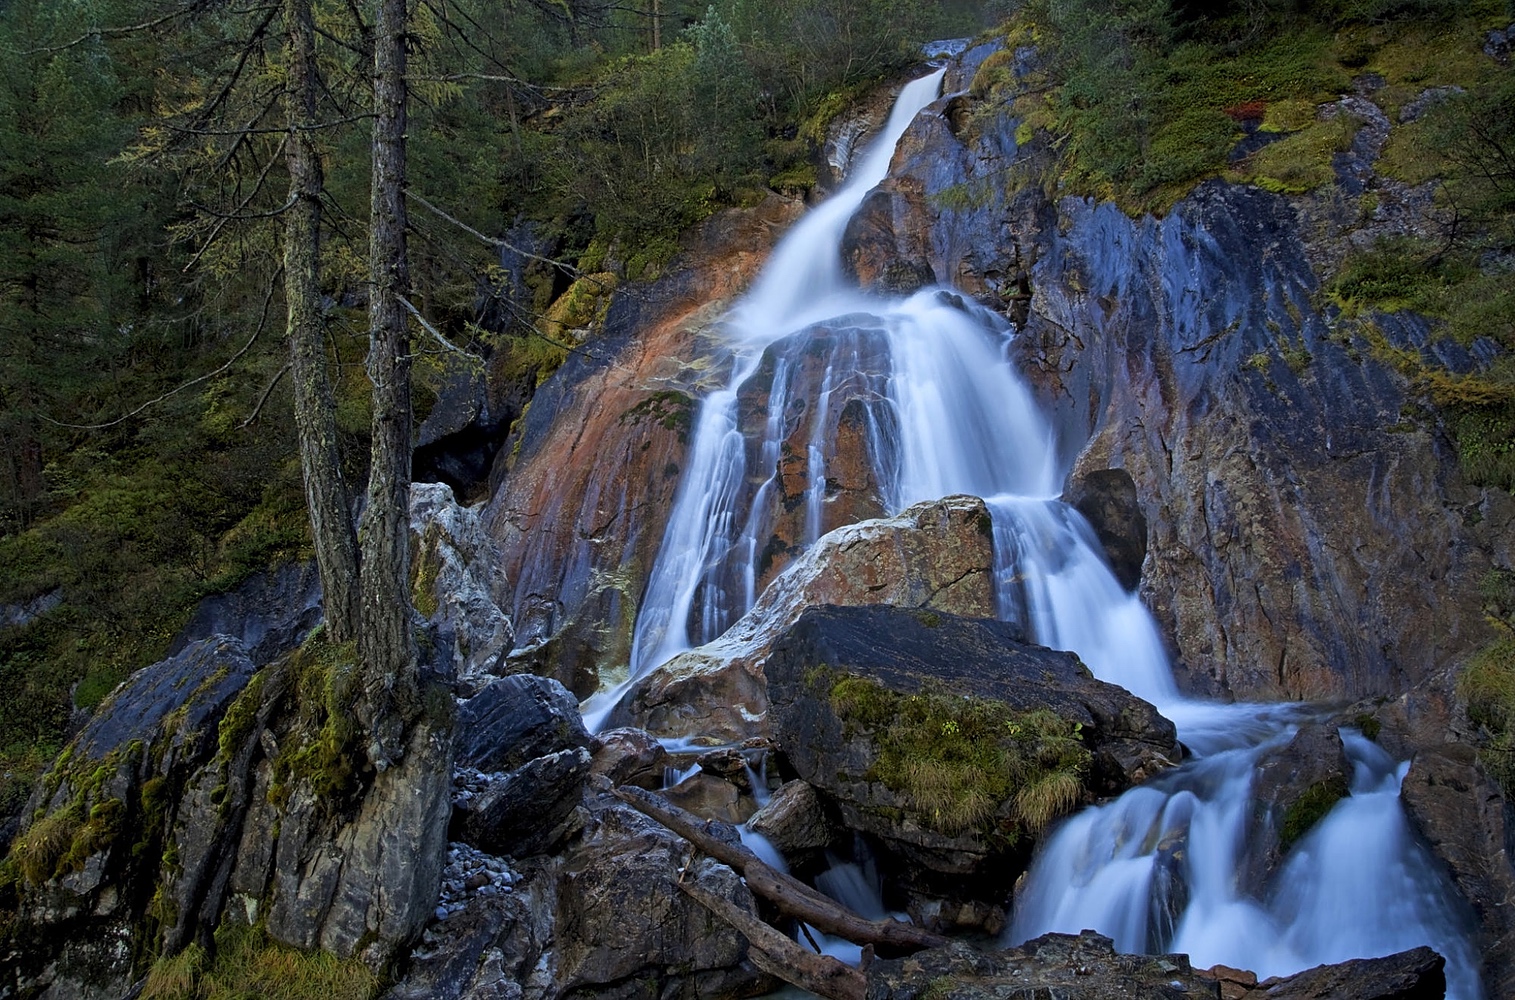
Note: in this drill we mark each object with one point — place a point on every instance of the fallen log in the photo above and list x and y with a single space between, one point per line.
779 956
792 897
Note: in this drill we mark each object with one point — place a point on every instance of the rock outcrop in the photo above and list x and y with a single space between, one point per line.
937 555
209 790
915 796
1086 967
457 585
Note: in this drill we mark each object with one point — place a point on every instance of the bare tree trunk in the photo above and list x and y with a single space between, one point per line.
792 897
657 25
778 956
326 497
385 645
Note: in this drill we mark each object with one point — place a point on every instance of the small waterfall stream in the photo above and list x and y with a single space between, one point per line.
945 412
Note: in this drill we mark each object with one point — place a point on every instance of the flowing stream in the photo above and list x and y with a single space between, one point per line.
944 412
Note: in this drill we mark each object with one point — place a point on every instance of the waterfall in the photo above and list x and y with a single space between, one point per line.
946 412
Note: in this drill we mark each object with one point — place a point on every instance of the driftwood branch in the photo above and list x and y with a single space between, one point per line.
779 956
792 897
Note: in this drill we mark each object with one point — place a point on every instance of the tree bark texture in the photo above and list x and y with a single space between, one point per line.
336 543
385 644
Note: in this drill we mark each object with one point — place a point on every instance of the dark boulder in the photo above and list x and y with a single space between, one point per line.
840 677
517 719
630 756
523 812
1068 967
1417 974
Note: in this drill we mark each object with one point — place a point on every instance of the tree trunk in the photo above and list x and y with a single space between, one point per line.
778 956
331 527
792 897
385 645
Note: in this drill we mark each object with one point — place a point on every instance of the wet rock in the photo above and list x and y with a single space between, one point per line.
1467 822
1293 788
517 719
937 555
630 756
907 652
594 465
871 248
1107 499
523 812
795 821
1082 967
457 583
1418 974
710 796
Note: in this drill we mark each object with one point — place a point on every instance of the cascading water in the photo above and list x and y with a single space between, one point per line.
945 412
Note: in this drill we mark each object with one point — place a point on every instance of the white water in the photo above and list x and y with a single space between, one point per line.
1159 868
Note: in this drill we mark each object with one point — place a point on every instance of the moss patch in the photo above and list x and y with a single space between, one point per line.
1310 808
967 764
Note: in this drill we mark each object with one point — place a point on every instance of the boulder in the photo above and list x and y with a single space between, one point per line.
1293 788
1467 822
937 555
1087 967
630 756
848 684
270 613
1107 499
516 719
795 821
624 929
523 812
1418 974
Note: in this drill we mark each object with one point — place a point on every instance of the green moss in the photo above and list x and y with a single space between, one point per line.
1302 161
962 763
666 408
1487 687
1310 808
425 564
322 749
1368 724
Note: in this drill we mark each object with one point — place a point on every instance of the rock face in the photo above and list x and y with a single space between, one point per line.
594 464
457 583
208 789
92 858
909 653
937 555
1466 821
1304 539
